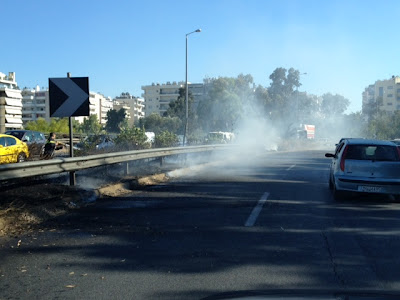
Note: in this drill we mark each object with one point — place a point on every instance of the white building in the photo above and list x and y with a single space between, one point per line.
117 105
158 96
383 95
134 107
98 105
10 103
35 104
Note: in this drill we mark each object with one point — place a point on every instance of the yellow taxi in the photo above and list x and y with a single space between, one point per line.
12 149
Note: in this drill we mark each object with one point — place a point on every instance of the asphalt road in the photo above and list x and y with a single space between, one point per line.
264 222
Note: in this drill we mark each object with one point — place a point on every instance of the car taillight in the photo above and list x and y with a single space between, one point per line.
343 158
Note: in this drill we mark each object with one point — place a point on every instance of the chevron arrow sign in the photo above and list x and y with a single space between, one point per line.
69 97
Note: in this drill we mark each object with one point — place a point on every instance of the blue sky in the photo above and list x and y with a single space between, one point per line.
343 46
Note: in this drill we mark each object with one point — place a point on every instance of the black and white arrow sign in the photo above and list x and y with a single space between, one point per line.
69 97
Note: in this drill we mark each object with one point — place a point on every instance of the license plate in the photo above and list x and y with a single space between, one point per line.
370 189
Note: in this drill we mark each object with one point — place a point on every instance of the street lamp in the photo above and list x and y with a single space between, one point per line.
187 88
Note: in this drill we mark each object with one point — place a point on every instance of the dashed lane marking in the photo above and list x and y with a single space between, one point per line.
256 211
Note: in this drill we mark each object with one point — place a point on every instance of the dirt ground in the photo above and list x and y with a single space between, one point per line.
24 206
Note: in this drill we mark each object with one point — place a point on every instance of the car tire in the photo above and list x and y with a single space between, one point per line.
21 157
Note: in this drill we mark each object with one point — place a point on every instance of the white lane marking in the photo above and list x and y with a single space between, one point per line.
291 167
256 211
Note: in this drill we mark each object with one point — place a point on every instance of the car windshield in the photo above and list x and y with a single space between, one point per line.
17 134
372 152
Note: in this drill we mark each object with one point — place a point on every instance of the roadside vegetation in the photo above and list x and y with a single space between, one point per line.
230 102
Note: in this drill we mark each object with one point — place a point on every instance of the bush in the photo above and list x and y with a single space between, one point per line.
166 139
132 138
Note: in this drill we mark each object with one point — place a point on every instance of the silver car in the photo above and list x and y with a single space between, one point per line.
365 166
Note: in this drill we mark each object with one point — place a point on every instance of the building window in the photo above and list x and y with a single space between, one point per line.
390 95
390 87
390 104
380 91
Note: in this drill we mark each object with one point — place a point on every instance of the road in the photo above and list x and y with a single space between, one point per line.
264 222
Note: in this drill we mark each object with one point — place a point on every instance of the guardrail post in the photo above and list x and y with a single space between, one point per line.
126 169
162 161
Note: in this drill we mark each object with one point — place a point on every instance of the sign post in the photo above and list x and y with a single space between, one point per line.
69 97
72 178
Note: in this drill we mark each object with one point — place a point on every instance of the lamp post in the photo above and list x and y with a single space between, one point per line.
187 88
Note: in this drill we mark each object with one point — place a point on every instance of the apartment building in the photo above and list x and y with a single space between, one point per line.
134 107
98 105
383 95
118 104
158 96
10 103
35 104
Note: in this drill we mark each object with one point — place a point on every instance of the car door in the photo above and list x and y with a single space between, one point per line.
13 148
6 150
3 151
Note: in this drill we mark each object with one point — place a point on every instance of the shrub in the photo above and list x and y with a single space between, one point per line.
166 139
132 138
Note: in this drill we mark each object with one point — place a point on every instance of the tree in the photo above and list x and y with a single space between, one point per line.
283 85
333 105
385 126
155 123
227 101
132 138
58 125
90 125
39 125
116 120
166 139
177 108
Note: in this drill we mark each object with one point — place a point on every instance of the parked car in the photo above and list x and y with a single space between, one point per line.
97 142
396 141
12 149
365 166
34 139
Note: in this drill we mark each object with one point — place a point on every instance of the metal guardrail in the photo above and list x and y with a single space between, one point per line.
68 164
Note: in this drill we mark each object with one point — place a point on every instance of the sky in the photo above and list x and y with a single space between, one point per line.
342 46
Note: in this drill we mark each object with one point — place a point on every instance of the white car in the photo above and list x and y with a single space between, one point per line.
365 166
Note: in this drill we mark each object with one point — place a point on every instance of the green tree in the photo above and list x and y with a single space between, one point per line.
177 108
58 125
90 125
39 125
116 120
165 139
132 138
385 126
227 101
283 85
333 105
155 123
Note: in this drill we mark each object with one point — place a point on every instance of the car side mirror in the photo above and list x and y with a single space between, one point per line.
330 155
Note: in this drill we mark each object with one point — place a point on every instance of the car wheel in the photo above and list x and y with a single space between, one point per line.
21 157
